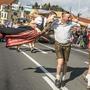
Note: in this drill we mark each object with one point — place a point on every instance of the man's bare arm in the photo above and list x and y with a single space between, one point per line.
47 28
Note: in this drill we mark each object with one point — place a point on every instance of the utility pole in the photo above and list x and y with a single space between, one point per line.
78 5
78 15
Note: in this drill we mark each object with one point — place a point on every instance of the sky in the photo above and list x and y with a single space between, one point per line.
82 6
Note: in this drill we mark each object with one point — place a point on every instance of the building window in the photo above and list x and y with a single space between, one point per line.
2 15
5 15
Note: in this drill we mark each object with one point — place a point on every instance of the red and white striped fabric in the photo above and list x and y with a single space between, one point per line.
21 38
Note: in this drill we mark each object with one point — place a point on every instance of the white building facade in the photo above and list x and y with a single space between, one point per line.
3 14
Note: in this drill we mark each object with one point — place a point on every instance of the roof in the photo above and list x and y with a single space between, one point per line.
6 1
41 11
84 20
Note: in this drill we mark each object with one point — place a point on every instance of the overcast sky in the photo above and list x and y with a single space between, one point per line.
76 5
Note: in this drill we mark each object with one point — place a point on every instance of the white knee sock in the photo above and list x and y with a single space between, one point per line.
58 77
63 77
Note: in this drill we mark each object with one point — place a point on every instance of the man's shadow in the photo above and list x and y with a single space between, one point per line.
75 71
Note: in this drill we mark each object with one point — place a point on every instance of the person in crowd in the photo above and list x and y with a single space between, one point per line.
63 45
62 35
39 19
33 25
35 22
88 72
32 44
85 38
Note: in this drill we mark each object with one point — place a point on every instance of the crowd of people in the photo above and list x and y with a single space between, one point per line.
66 29
80 37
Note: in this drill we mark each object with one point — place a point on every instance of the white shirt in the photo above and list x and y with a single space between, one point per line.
38 20
62 32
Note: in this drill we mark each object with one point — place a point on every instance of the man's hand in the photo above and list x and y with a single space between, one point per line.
75 20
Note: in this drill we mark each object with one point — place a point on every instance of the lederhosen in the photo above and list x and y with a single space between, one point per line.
62 50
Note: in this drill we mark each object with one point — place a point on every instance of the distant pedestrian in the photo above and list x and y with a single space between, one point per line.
39 19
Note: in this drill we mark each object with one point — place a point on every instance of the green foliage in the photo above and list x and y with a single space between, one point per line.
56 8
36 6
16 1
27 12
48 6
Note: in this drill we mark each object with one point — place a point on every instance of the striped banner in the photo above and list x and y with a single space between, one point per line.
21 38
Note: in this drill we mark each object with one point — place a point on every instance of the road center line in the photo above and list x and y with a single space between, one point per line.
47 46
42 68
71 48
51 84
80 51
86 62
37 49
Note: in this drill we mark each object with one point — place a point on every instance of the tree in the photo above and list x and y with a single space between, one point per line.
56 8
49 5
46 6
21 8
36 6
16 1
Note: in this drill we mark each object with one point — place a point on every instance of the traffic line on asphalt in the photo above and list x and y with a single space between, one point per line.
42 68
80 51
36 49
51 84
41 50
46 46
64 88
86 62
71 48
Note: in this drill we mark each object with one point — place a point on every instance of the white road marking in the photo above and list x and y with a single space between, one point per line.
71 48
80 51
42 68
37 49
64 88
51 84
86 62
41 50
47 46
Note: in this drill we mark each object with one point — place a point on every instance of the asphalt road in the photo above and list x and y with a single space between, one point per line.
36 71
